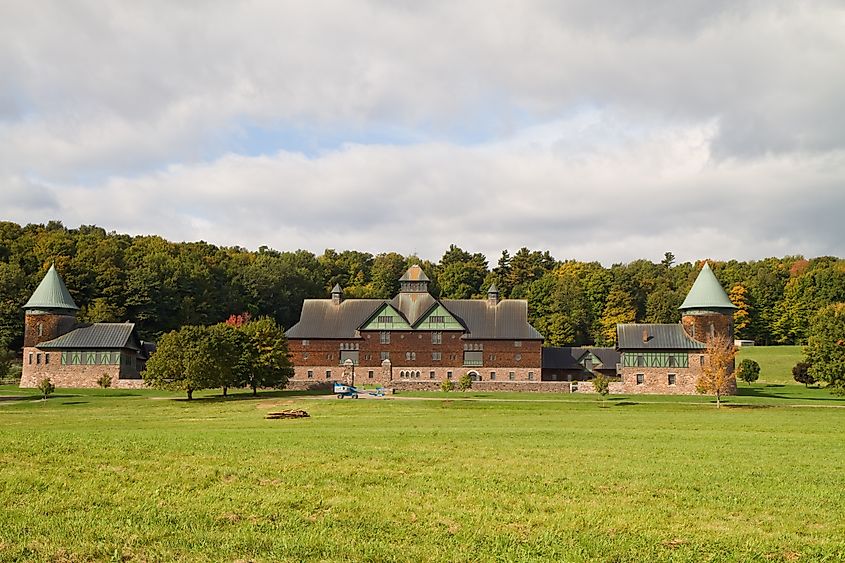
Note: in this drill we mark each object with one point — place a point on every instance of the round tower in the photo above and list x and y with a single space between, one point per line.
707 311
50 312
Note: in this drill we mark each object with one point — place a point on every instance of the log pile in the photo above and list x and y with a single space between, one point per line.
290 413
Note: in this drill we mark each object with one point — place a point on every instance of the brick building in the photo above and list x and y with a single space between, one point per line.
668 358
415 340
74 354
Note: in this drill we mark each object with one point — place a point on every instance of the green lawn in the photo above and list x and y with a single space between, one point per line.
138 476
776 362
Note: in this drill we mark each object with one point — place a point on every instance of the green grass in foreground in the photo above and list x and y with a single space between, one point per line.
776 362
128 475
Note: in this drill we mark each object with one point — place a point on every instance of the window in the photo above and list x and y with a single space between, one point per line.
368 356
671 379
370 374
305 343
37 358
492 357
384 337
30 358
437 338
640 361
474 346
328 374
90 358
385 356
511 375
448 375
672 361
329 356
473 358
517 343
492 376
437 319
305 356
349 355
701 360
310 374
640 379
436 356
385 320
431 375
530 376
40 329
76 358
410 356
47 358
517 357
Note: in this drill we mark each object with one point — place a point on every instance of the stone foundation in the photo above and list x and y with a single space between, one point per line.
48 365
614 387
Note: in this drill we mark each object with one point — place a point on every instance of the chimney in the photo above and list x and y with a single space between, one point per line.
337 294
646 336
493 295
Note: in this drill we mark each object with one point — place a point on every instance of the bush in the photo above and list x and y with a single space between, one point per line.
46 387
104 381
447 385
601 383
801 373
748 371
465 382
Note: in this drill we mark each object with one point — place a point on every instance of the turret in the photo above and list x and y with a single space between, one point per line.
493 295
414 281
50 312
707 311
337 294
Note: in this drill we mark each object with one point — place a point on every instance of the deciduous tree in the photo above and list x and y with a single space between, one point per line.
748 370
717 376
825 348
801 373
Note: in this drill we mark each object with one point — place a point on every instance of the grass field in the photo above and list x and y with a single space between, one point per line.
140 476
776 362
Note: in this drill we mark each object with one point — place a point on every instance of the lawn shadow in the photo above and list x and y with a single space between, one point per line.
75 403
765 393
625 404
248 396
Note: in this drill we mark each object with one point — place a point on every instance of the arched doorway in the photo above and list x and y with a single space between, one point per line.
474 375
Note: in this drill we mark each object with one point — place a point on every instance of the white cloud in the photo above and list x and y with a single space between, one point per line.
597 129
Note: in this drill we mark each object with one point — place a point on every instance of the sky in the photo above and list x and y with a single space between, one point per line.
598 130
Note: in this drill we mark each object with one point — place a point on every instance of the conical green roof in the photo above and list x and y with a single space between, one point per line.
51 293
706 293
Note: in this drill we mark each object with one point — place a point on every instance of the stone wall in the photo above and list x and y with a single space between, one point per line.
700 327
49 325
49 365
656 380
614 387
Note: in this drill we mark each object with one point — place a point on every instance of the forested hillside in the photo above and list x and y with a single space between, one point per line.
163 285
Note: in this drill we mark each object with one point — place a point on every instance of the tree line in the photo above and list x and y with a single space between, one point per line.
163 285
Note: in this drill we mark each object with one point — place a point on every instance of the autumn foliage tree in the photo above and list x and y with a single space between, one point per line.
825 348
717 377
801 373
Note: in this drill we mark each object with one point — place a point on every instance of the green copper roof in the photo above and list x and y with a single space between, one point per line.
706 293
51 293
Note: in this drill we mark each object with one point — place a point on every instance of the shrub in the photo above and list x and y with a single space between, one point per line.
104 381
447 385
465 382
801 373
601 383
748 371
46 387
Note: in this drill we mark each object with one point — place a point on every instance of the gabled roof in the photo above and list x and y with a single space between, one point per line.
706 293
98 335
413 305
414 273
563 357
51 293
508 320
655 337
337 288
608 357
322 319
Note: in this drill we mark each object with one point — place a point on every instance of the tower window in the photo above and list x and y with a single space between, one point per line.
40 329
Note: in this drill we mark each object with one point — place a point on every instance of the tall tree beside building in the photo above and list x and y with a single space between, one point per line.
742 316
619 309
718 376
825 348
270 364
184 361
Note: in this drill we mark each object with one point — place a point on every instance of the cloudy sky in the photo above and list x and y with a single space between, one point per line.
595 129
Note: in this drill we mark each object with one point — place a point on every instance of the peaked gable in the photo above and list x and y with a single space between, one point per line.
386 318
438 318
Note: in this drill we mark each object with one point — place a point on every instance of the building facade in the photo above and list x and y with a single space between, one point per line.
670 358
415 340
74 354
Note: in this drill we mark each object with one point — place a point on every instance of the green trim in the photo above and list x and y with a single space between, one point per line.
386 318
655 360
438 318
